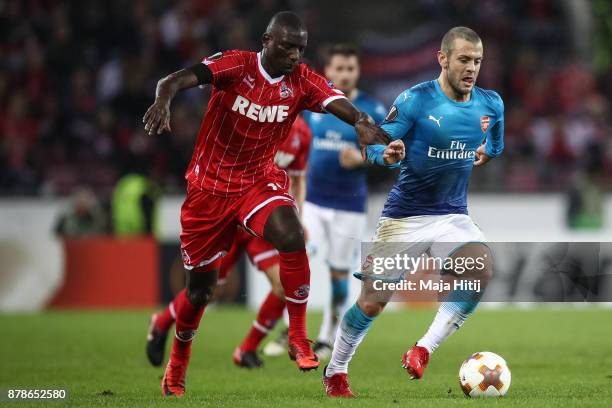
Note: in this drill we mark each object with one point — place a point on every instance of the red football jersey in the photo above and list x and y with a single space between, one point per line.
249 116
292 155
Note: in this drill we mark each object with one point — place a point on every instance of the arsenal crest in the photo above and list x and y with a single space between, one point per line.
484 123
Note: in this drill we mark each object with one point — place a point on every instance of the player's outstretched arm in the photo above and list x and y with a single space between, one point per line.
366 129
157 117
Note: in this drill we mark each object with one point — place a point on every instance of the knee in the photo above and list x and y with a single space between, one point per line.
284 230
371 309
290 240
278 291
200 297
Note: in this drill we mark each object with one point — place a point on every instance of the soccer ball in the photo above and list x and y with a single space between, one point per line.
484 374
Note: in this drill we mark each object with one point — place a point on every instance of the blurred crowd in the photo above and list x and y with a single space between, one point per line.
77 76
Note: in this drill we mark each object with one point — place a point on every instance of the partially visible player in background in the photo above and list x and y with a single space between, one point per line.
444 127
336 192
292 157
336 189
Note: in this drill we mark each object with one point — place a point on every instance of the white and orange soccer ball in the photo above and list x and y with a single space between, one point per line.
484 374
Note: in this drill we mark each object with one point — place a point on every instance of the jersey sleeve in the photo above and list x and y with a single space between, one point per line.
298 165
226 67
401 116
318 92
397 124
495 138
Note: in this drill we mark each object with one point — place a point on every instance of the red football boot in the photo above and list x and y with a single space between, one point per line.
415 360
337 385
173 383
300 351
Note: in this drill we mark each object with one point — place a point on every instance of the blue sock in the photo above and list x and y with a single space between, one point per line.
352 331
339 291
462 302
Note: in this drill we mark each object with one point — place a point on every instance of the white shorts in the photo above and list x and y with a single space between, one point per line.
437 235
333 234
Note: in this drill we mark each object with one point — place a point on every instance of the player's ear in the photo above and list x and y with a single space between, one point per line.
265 39
442 60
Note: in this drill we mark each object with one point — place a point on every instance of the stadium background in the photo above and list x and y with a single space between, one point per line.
75 79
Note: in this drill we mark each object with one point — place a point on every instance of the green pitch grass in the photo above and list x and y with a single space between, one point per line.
558 358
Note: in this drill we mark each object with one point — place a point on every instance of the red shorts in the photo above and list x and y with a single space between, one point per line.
209 222
261 253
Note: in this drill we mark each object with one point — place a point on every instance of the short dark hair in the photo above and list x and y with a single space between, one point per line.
347 50
464 33
286 19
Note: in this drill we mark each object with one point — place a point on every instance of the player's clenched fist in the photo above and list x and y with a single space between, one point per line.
394 152
481 156
157 118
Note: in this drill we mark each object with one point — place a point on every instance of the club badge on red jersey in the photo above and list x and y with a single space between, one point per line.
285 91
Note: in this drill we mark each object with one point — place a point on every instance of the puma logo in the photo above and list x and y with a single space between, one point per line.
435 120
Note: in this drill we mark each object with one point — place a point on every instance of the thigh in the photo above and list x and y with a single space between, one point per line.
406 238
454 232
346 232
208 229
256 206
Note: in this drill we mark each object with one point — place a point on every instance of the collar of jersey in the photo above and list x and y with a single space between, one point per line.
265 74
463 104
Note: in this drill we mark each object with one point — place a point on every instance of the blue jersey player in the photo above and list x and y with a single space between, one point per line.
336 191
440 129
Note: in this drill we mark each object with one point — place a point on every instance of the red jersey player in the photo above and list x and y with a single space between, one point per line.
291 156
232 180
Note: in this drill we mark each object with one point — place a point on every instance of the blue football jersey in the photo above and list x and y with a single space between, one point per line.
327 183
441 137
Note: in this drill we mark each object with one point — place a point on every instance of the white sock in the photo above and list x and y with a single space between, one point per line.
325 332
444 324
352 331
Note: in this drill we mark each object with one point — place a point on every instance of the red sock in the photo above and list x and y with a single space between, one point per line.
166 318
269 312
187 322
295 277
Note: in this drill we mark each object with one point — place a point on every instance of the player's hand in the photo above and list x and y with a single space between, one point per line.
350 158
157 118
481 157
394 152
369 133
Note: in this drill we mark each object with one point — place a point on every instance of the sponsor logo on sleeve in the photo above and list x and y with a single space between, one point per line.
213 58
392 115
